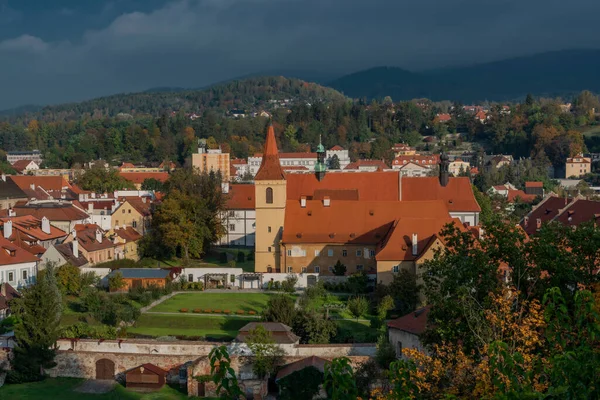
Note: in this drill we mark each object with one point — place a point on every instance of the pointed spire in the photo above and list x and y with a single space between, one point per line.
270 167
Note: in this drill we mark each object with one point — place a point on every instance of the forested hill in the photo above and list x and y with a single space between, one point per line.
553 74
248 94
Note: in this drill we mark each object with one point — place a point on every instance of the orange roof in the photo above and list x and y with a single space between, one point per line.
270 167
128 234
239 161
52 211
443 117
292 155
534 184
32 227
380 164
140 177
457 195
524 197
415 322
138 203
86 236
336 194
370 222
11 254
417 159
306 184
241 197
20 165
127 165
55 183
337 147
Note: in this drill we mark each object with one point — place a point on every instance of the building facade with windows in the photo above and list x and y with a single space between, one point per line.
239 220
207 160
18 267
33 155
578 166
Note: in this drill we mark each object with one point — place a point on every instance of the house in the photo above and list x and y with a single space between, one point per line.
577 167
341 154
138 178
481 116
240 218
501 190
63 215
443 118
142 277
146 376
401 149
287 160
544 212
92 243
46 187
534 188
100 210
430 162
18 267
25 166
499 161
126 239
133 211
280 333
413 169
31 234
514 196
33 155
64 253
239 168
578 212
237 113
405 332
367 166
207 160
7 293
459 166
10 193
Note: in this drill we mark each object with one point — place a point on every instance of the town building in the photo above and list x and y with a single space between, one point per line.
577 167
302 162
401 149
413 169
239 168
342 155
132 211
534 188
443 118
138 178
25 167
547 210
63 215
64 253
92 243
31 234
46 187
33 155
499 161
459 166
367 166
10 193
126 240
67 174
240 218
18 267
207 160
405 332
146 376
364 216
100 210
7 293
142 277
428 161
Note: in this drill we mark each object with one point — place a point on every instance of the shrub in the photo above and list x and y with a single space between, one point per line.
217 311
358 306
197 310
251 312
277 285
231 264
183 310
227 312
222 258
289 284
386 354
241 312
241 257
207 311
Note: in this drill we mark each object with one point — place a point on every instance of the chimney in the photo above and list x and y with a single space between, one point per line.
225 187
326 201
11 212
7 229
45 225
75 247
98 236
538 223
32 186
3 289
444 173
415 245
303 201
90 207
526 221
144 198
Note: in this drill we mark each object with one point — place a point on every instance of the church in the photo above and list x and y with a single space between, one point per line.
376 222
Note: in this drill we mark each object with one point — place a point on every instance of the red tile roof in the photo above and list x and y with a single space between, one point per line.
380 164
140 177
7 293
53 183
513 195
138 203
239 161
53 211
417 159
20 165
293 155
11 254
534 184
443 117
32 227
127 165
128 234
66 250
415 322
545 211
457 195
86 236
241 197
364 182
270 167
578 212
369 224
337 147
336 194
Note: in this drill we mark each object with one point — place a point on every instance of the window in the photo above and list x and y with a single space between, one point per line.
303 270
11 276
134 224
190 278
344 253
290 270
359 267
317 269
289 253
129 211
123 211
269 194
317 253
232 278
330 269
269 229
396 268
232 213
372 253
116 223
330 253
232 227
358 253
269 249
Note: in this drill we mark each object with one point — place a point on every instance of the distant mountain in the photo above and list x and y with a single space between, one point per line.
29 108
247 94
560 73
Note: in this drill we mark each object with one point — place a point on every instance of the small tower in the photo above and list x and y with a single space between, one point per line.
320 167
444 173
270 187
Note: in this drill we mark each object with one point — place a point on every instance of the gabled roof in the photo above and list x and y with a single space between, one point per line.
7 293
138 203
532 184
128 234
457 194
140 177
280 333
337 147
415 322
21 165
87 239
380 164
357 222
66 250
54 211
513 195
578 212
11 254
241 197
545 211
150 367
10 190
32 226
49 183
270 166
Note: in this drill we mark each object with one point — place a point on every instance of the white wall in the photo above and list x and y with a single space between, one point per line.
101 273
17 270
471 217
302 278
407 341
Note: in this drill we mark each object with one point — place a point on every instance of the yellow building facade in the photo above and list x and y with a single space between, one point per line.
212 160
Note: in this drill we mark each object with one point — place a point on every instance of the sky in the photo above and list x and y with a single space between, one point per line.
54 51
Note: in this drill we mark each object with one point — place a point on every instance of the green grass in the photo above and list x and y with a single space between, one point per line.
356 332
62 388
211 260
190 325
591 131
222 301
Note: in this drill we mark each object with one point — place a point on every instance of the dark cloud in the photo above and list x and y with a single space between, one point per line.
191 43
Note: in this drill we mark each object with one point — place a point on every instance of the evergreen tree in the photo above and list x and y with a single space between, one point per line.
38 313
334 162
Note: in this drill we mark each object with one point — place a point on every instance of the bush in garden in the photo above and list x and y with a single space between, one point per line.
183 310
223 258
241 257
197 310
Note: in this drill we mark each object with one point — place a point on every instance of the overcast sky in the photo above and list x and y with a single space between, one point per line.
66 50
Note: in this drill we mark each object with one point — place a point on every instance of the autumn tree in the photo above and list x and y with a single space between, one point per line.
103 180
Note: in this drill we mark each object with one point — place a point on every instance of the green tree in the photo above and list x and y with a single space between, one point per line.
38 313
339 269
358 306
405 291
289 284
385 304
68 279
102 180
223 375
386 354
334 162
266 352
153 184
116 282
358 283
339 380
312 328
280 308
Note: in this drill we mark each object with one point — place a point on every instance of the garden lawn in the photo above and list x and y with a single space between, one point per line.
215 301
352 331
62 388
189 325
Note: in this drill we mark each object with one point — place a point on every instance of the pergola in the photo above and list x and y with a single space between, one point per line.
251 276
215 277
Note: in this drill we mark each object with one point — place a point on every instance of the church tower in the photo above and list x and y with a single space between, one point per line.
320 166
270 194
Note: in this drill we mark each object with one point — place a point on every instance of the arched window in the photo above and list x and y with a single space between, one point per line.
269 195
